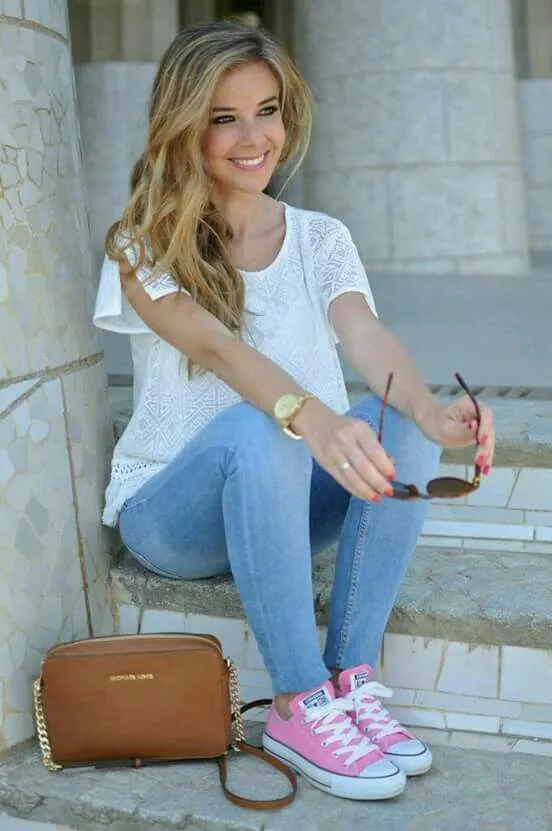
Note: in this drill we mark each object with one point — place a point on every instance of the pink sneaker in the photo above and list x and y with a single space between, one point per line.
376 723
322 743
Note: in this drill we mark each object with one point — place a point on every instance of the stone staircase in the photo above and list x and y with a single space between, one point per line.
468 653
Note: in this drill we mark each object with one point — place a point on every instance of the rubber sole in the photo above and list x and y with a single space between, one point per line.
346 787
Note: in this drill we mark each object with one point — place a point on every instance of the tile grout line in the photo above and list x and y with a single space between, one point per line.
20 399
80 546
499 676
32 25
48 373
440 668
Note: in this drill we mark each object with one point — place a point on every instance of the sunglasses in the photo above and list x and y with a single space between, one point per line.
443 487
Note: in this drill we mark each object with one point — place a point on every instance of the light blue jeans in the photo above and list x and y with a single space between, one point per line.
244 497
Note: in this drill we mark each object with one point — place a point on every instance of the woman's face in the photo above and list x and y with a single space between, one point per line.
246 135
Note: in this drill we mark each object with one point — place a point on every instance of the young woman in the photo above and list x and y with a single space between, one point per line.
234 303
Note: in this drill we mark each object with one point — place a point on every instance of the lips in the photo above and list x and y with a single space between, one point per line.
251 162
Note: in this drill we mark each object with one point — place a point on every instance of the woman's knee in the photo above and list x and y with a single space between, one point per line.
416 457
253 437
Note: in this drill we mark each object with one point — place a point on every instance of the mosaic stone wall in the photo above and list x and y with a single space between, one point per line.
53 554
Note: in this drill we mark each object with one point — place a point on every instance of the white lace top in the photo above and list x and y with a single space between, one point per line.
286 318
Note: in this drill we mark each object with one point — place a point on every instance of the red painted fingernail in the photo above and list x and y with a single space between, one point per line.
376 498
486 469
479 460
388 491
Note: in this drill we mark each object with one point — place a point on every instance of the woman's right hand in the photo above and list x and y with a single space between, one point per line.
347 448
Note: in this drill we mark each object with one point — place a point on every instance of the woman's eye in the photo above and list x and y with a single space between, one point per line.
228 119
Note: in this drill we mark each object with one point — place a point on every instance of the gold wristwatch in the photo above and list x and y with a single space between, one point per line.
287 408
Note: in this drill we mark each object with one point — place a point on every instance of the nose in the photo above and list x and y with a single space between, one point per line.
250 132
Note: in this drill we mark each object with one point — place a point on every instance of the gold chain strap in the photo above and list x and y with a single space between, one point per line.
235 704
42 729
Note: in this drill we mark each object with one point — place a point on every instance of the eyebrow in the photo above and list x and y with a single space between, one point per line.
233 109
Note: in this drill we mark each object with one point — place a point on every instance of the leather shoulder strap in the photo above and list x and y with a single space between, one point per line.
259 804
259 702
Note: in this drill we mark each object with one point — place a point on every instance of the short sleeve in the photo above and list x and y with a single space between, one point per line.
113 311
338 267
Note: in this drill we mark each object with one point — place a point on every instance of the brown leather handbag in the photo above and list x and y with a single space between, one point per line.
139 699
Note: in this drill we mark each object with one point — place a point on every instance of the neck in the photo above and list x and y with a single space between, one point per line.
241 210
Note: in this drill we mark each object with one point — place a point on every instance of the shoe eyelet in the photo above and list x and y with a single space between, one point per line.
334 755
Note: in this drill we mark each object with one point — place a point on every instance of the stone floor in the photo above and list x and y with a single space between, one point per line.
466 791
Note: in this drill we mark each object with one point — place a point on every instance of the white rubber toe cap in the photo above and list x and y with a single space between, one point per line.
412 756
380 770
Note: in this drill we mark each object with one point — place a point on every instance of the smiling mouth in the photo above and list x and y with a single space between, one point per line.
252 163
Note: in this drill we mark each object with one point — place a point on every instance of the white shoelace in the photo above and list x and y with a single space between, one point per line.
341 732
367 707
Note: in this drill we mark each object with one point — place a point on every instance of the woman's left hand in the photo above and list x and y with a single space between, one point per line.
456 426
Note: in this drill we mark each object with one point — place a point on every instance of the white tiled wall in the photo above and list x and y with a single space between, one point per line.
511 511
466 695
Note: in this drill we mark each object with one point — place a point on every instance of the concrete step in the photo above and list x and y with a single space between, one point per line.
467 652
466 791
480 597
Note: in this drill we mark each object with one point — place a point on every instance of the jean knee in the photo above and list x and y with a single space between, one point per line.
254 438
416 456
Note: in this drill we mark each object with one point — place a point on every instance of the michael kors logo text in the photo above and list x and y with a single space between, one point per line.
139 676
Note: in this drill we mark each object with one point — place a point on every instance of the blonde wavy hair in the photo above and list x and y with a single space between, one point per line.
170 218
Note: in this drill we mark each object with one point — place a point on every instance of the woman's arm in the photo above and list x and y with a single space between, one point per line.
200 336
375 352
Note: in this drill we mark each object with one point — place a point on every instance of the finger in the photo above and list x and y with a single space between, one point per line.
367 470
463 409
487 438
352 482
375 454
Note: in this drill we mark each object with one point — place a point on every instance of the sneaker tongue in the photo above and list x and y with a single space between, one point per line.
318 697
351 679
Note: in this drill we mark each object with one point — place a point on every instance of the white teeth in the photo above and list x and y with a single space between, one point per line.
250 162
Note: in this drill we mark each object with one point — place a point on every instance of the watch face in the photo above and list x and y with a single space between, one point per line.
286 405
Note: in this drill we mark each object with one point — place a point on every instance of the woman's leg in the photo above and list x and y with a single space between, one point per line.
237 497
376 541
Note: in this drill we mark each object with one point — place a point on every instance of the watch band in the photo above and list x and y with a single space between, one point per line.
287 428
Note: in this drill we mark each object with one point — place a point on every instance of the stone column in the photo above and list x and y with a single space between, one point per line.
114 80
416 143
53 438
